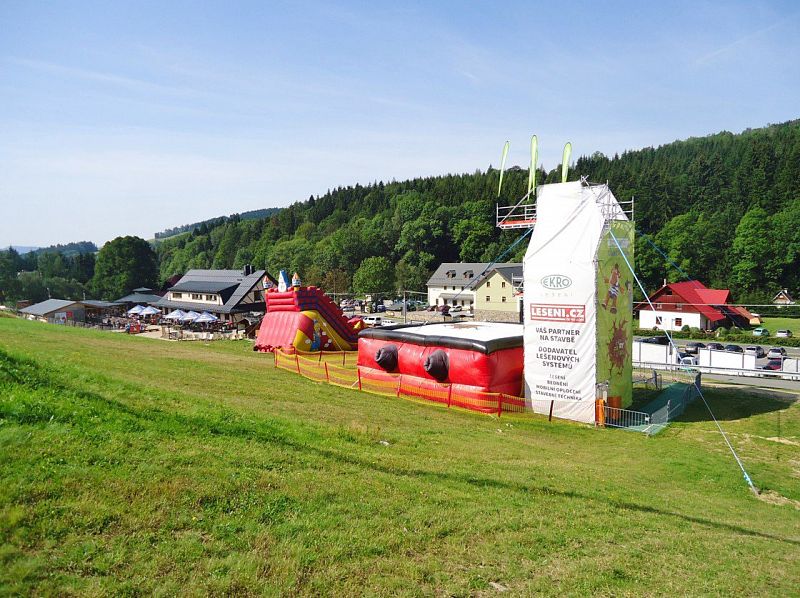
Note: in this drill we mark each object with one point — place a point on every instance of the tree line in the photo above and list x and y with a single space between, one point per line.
724 209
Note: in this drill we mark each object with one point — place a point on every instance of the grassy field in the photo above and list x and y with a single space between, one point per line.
130 466
774 324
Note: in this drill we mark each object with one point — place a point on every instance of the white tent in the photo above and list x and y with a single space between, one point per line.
175 315
150 311
135 310
190 316
205 318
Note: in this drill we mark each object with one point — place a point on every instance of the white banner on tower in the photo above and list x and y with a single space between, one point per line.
560 302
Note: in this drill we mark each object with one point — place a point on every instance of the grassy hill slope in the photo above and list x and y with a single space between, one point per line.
130 465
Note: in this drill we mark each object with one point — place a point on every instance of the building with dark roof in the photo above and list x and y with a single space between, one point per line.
140 296
498 295
59 310
228 294
454 283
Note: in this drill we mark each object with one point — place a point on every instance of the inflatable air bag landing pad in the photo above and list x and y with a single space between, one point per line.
386 357
437 364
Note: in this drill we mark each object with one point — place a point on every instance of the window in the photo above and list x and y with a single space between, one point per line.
468 274
177 295
488 283
488 299
679 322
209 297
503 284
503 299
462 288
659 321
197 296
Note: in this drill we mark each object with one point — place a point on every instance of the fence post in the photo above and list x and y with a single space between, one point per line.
297 362
327 375
399 384
275 353
358 369
449 394
499 403
344 359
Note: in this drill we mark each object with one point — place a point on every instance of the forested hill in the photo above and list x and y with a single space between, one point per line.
725 208
205 225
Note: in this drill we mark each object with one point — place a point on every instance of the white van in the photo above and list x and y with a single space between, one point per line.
373 320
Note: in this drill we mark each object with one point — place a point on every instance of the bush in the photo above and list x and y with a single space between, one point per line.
685 328
722 332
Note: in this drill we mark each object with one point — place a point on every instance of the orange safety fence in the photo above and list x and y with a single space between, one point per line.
325 367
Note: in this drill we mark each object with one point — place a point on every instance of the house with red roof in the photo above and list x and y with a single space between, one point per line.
691 303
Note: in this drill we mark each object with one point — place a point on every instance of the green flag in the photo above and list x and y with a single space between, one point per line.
565 161
502 167
534 161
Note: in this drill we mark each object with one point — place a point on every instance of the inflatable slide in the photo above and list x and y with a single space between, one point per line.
305 319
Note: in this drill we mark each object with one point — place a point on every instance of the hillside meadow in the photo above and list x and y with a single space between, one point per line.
131 466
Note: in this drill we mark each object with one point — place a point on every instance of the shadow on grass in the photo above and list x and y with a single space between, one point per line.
737 403
23 372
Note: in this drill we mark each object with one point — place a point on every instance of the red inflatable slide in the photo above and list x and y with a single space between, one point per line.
304 319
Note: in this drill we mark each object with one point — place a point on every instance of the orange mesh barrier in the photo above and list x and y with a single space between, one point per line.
326 367
339 376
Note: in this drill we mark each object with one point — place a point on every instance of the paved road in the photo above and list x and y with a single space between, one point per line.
771 383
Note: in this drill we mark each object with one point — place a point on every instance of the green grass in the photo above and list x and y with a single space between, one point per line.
775 324
130 466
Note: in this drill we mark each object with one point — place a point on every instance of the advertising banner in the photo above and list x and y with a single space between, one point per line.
560 303
615 311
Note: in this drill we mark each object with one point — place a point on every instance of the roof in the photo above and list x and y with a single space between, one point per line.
783 294
210 308
49 306
139 298
223 281
463 272
204 286
142 290
695 294
508 272
100 304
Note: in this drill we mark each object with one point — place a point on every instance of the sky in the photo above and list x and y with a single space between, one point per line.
122 118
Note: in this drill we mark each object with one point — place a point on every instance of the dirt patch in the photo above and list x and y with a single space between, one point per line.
782 440
774 498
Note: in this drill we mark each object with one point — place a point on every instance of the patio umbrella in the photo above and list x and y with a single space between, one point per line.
135 310
150 311
190 316
175 315
205 318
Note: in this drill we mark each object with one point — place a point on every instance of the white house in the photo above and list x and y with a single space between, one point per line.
455 283
228 294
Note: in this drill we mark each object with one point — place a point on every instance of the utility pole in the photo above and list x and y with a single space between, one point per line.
405 308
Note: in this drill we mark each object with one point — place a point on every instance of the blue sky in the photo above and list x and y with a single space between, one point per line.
129 117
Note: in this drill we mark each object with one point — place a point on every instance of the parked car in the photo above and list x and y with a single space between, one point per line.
456 308
373 320
686 359
693 347
657 340
776 353
734 349
783 333
380 308
757 350
715 347
760 331
443 309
